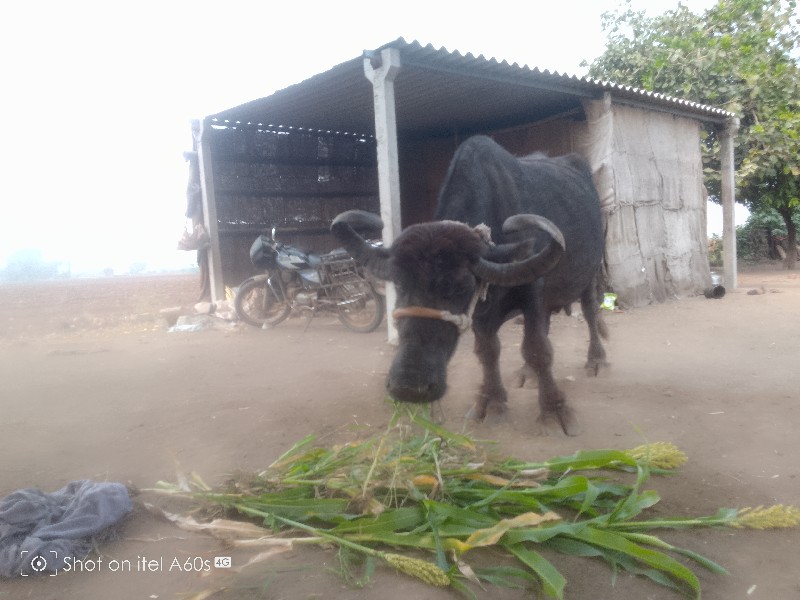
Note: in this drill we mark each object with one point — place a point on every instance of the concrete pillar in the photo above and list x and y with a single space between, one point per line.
381 69
210 216
728 184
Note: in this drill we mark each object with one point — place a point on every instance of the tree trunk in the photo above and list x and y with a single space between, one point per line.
791 240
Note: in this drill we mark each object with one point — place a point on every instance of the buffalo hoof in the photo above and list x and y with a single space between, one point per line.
593 366
563 417
493 412
524 375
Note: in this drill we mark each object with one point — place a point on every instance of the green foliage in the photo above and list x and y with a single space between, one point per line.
420 488
715 250
752 238
768 218
741 55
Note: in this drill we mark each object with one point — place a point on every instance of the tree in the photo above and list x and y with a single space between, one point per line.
741 55
763 235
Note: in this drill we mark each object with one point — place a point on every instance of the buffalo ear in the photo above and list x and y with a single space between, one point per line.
376 259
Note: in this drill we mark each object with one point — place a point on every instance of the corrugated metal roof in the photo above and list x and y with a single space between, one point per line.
439 92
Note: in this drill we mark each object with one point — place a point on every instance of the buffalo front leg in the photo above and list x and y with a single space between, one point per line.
492 396
538 353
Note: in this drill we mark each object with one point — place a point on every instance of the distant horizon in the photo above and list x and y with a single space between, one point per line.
100 275
185 262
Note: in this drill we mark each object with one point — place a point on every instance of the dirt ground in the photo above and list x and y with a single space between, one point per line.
95 387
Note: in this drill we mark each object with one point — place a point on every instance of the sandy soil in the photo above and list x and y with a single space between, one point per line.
95 387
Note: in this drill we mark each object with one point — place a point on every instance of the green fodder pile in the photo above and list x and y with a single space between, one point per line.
419 489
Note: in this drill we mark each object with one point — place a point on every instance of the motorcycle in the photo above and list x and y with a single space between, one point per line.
301 281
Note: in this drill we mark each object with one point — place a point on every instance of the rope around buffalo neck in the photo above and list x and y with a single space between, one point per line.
462 321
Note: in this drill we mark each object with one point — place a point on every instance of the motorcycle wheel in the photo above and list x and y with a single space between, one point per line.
257 305
364 314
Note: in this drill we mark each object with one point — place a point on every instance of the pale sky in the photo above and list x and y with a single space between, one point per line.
98 96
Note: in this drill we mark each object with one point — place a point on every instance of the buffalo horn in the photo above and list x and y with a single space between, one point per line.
517 224
374 258
530 268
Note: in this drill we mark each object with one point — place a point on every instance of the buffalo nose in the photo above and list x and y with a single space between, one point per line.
421 392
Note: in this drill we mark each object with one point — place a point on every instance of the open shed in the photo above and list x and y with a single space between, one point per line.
378 132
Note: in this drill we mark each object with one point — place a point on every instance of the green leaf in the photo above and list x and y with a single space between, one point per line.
510 577
435 519
438 430
293 450
614 558
295 504
589 498
630 565
477 498
657 542
543 533
633 505
455 517
462 588
552 580
590 459
390 521
573 547
651 558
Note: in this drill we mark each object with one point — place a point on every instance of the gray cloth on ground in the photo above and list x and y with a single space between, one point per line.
44 532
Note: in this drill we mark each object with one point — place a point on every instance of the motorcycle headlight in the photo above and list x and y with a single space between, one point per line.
262 254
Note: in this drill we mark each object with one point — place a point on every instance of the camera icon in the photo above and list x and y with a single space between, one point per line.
38 563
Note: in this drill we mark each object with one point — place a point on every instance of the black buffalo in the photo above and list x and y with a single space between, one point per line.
545 252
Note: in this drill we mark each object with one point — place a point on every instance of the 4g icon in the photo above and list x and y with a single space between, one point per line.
222 562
